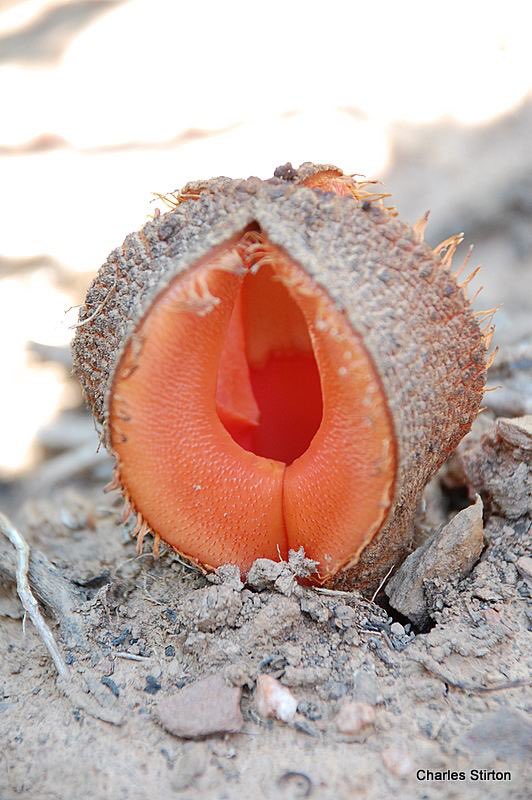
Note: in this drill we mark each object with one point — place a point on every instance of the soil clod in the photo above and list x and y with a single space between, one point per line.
205 707
447 556
353 717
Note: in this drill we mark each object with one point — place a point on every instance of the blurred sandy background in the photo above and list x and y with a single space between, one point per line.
104 103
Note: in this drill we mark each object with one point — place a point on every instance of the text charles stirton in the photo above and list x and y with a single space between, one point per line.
462 775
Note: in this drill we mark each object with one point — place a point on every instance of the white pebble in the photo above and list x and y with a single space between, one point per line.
353 717
397 628
398 762
272 699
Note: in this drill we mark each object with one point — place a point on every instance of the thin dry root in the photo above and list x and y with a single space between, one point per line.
66 682
98 309
434 668
383 581
26 596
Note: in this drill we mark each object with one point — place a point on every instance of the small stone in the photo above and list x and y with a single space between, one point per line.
286 172
152 685
107 666
486 592
397 629
169 651
202 708
524 567
397 761
304 676
310 710
305 727
277 618
365 688
498 466
491 616
238 674
345 617
292 653
286 582
353 717
311 604
229 574
109 682
449 555
517 431
272 699
300 565
213 607
263 573
336 689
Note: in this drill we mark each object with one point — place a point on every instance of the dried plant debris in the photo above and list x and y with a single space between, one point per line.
447 557
499 466
509 390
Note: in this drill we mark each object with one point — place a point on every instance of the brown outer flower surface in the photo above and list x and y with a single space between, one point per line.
396 294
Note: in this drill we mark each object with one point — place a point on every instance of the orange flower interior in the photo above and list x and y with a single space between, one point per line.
269 393
248 418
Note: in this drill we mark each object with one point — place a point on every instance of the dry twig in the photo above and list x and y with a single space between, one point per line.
431 666
54 591
381 584
131 656
27 599
77 695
